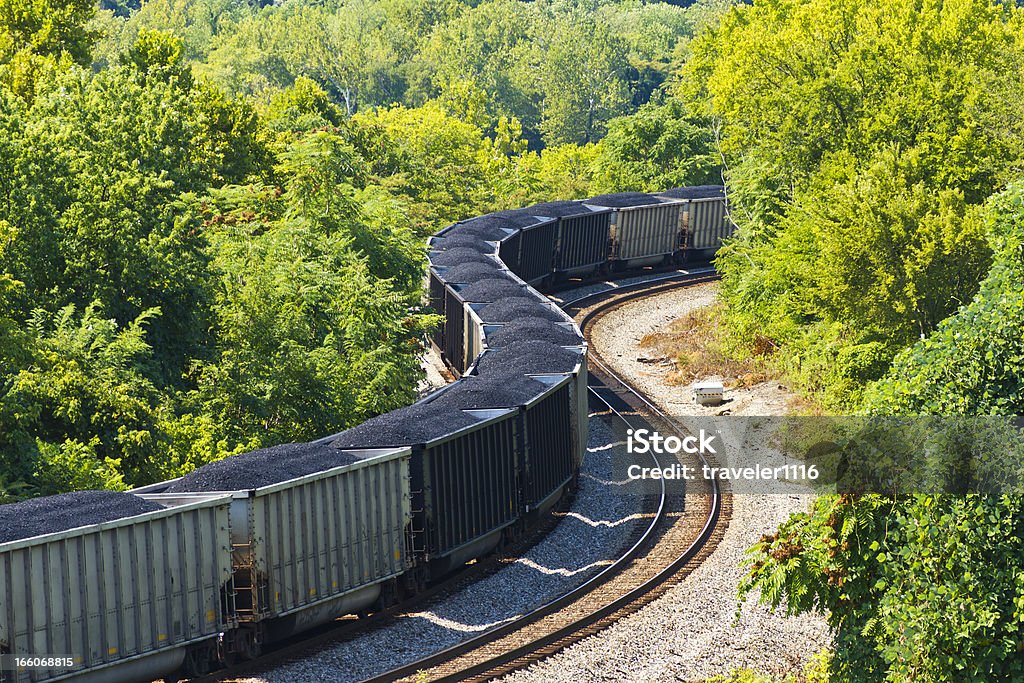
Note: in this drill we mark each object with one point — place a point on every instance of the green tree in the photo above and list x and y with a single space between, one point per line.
46 28
583 79
973 363
659 147
857 138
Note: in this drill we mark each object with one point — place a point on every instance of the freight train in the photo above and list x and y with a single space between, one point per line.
183 576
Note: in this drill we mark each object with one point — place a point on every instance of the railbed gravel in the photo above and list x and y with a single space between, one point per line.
52 514
602 519
688 633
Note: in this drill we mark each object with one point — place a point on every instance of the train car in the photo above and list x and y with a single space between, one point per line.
130 600
545 404
464 477
535 261
308 550
705 218
645 229
213 575
436 301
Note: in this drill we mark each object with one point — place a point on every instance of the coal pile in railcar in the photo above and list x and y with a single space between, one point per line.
408 426
453 257
622 200
499 390
68 511
513 308
490 290
695 192
471 272
522 218
487 227
263 467
472 242
558 209
535 328
528 358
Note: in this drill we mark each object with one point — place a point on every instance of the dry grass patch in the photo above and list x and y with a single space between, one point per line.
698 347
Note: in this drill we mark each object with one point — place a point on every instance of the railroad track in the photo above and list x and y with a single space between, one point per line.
685 531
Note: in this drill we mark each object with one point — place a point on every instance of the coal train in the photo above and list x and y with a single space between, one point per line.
182 576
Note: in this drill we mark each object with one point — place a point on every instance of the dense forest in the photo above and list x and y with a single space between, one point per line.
212 215
874 152
214 212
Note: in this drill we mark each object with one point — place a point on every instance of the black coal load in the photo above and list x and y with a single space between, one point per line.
471 272
533 328
622 200
487 227
558 209
513 308
415 424
68 511
491 391
462 242
521 218
528 358
264 467
696 192
454 257
491 289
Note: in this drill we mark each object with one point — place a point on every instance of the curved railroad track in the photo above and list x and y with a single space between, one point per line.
673 546
683 530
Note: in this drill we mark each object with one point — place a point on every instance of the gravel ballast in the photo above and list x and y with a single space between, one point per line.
688 634
68 511
528 358
533 328
592 534
263 467
512 308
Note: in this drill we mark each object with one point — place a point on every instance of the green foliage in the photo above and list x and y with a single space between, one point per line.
658 147
46 28
433 160
973 363
859 140
86 376
924 588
